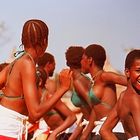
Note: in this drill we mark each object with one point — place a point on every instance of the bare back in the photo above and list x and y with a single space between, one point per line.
17 78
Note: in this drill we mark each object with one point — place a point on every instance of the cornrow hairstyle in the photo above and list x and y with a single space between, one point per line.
34 32
73 56
46 58
131 57
98 54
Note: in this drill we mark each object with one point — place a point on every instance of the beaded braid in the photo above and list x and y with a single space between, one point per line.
34 32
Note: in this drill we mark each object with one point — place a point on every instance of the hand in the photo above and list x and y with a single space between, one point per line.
65 78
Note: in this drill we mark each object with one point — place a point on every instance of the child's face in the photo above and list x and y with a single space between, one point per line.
134 74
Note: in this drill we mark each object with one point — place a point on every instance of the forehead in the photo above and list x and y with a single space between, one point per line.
84 56
136 63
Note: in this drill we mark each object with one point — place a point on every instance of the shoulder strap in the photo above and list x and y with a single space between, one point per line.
30 57
10 69
12 64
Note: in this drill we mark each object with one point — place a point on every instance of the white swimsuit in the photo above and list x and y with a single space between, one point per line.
12 123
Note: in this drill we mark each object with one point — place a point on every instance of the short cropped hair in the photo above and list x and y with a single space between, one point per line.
73 56
98 54
131 57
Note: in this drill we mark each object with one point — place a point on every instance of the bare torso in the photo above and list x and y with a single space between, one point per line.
125 104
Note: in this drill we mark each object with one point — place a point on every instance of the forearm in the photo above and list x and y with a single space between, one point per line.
78 130
90 125
107 127
121 80
41 108
108 136
88 129
66 124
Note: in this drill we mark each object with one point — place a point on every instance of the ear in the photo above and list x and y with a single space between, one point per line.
90 60
45 41
127 73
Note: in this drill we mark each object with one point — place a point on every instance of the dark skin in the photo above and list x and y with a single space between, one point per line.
60 117
64 117
104 89
127 107
23 82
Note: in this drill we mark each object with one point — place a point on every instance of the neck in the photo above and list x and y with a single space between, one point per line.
32 53
95 73
76 72
136 90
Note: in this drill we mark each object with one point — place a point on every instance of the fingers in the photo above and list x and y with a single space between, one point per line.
66 72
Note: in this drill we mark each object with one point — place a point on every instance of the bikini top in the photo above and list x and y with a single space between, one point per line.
10 70
79 101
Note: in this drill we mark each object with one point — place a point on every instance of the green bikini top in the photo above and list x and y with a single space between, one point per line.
79 101
95 100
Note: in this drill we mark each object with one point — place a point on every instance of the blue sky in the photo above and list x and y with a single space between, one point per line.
114 24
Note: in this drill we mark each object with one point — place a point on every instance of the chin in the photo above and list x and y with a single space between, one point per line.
83 71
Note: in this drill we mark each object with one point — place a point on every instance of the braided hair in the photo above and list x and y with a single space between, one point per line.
34 32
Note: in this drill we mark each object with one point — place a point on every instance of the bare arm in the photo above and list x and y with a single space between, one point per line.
78 130
3 76
111 121
70 118
114 78
35 108
89 126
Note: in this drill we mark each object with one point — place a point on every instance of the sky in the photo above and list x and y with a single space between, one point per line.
114 24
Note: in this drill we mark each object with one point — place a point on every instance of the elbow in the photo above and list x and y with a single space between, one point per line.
34 116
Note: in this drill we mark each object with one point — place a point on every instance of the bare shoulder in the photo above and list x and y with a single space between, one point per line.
121 99
122 95
107 74
26 62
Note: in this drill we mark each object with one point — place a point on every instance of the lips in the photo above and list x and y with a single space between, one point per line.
138 84
138 81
